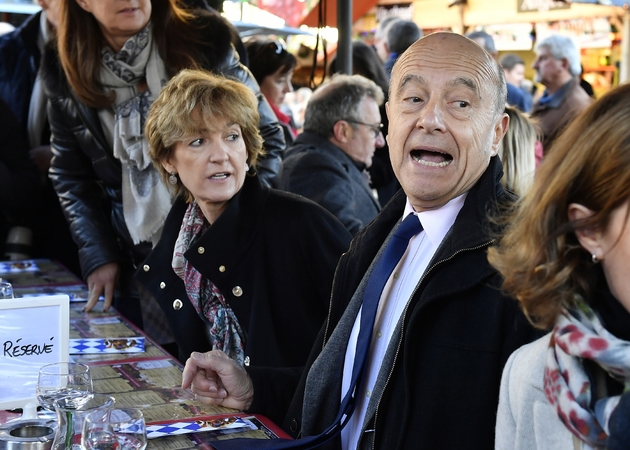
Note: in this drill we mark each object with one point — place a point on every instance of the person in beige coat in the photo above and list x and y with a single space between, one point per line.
565 256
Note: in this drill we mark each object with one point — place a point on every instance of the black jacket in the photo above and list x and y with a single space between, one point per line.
441 391
272 255
19 63
20 187
317 169
88 178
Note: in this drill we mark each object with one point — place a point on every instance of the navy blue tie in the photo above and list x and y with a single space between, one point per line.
382 271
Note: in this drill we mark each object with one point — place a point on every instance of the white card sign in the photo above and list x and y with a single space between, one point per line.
33 332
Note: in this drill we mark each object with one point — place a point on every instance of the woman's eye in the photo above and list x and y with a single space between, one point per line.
196 142
462 104
233 136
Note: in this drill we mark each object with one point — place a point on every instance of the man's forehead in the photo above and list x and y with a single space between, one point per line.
451 51
415 73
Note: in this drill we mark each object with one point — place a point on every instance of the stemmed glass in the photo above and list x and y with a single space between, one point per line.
64 380
119 428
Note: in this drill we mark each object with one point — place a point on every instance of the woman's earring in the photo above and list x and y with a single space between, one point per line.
172 179
594 258
246 167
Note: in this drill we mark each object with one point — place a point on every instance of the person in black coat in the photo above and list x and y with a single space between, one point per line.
365 62
328 162
240 268
21 89
20 187
100 84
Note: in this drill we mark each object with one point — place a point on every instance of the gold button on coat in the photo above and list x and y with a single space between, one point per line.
162 285
221 268
177 304
201 250
146 268
237 291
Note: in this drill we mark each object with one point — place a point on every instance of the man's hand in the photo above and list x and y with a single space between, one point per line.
102 279
216 379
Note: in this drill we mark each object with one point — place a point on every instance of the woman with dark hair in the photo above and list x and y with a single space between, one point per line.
365 62
272 66
566 257
111 60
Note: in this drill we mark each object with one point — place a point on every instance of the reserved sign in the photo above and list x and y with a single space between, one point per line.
33 332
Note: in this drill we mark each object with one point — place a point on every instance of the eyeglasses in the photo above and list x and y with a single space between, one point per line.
376 128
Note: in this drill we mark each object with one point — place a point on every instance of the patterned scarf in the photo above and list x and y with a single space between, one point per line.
226 332
578 335
146 200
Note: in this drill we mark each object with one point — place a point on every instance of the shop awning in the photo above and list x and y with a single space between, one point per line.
359 8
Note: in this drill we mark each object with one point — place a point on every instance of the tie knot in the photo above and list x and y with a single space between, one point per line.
409 227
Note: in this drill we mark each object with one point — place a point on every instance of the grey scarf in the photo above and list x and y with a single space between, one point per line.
146 200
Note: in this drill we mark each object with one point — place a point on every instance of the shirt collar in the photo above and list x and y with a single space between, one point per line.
437 222
554 100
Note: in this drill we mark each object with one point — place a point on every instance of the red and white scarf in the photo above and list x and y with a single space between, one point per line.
226 332
579 335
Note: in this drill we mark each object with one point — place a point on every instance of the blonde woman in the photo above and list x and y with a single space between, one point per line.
517 152
241 269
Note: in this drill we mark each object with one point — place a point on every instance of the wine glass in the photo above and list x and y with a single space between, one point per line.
120 429
64 380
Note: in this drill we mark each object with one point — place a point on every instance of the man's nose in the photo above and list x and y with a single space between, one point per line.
380 140
431 117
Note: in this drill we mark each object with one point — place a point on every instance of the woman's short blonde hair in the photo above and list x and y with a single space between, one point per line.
197 93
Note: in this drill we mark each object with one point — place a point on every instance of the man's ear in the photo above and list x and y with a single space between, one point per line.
589 237
341 131
500 128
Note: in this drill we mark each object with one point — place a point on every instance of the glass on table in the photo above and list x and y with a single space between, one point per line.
6 289
71 417
119 429
63 380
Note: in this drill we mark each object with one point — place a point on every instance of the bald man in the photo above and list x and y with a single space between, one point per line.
442 331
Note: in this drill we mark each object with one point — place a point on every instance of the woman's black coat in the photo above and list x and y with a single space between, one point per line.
272 254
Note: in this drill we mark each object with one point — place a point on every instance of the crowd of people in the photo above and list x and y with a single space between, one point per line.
428 259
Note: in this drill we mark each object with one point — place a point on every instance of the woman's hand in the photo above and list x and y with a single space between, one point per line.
216 379
102 279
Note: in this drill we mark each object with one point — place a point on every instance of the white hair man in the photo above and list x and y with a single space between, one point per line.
558 68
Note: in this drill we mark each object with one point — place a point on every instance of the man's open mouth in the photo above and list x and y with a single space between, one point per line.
431 158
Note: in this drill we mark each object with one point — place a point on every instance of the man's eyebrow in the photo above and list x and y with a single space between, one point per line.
411 78
470 84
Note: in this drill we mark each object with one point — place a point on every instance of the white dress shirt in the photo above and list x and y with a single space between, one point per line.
396 294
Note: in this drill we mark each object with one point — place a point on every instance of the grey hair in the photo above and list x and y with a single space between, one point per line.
562 47
338 99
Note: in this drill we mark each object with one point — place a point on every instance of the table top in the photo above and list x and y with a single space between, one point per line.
149 379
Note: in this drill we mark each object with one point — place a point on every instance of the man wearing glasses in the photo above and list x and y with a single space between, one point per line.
327 162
